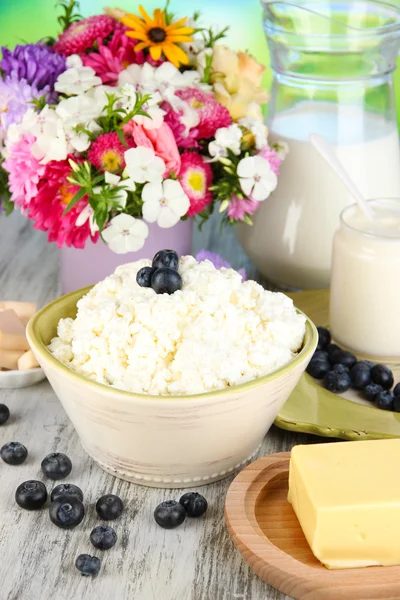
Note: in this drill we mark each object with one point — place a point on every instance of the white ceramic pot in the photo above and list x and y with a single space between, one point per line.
165 441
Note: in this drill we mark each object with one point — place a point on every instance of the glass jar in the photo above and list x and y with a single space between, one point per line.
333 63
365 288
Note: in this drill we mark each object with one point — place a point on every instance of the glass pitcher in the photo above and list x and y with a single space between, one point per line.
333 64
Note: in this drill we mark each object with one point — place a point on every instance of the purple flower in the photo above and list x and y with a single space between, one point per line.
37 64
15 99
217 261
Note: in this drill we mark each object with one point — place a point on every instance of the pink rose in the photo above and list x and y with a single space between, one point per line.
161 140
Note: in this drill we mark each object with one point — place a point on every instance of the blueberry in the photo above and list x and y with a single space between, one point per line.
396 390
360 375
169 514
320 355
66 489
56 465
88 565
382 375
195 504
332 348
344 358
109 507
166 281
318 368
144 276
31 495
4 414
384 400
339 368
13 453
103 537
337 382
366 363
166 258
324 338
66 512
371 390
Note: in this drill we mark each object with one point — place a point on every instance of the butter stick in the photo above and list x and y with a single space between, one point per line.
9 358
24 310
12 332
27 361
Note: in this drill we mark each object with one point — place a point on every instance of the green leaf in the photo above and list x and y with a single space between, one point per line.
78 196
121 137
101 215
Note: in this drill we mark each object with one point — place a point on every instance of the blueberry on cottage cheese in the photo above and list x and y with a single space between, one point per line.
109 507
166 258
14 453
166 281
144 276
4 414
194 503
66 512
31 495
88 565
66 489
169 514
382 375
103 537
56 465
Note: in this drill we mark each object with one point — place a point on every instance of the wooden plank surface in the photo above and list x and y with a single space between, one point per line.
198 561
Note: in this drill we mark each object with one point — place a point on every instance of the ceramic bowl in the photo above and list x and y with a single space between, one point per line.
165 441
19 379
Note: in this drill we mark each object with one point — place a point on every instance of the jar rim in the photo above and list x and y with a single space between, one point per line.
353 208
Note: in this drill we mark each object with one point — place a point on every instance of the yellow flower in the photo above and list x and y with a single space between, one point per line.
236 78
159 37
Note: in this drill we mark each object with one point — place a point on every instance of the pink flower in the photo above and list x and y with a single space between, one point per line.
272 157
196 178
24 171
82 35
112 58
240 207
212 115
47 207
107 153
161 140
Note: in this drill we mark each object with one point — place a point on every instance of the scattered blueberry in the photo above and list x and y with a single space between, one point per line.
360 375
195 504
56 465
103 537
166 258
339 368
318 368
166 281
396 390
337 382
109 507
382 375
332 349
396 403
88 565
66 489
31 495
320 355
371 390
144 276
344 358
169 514
384 400
13 453
4 414
66 512
324 338
366 363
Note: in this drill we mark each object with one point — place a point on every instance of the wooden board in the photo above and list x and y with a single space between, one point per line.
267 533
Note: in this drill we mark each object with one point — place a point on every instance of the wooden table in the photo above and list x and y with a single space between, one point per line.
197 561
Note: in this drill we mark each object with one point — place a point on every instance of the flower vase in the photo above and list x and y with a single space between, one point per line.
80 268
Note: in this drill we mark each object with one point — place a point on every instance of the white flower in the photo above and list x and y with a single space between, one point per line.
125 234
78 110
256 177
150 79
76 140
143 165
258 129
155 117
114 181
164 202
76 80
87 214
51 143
226 138
281 148
74 61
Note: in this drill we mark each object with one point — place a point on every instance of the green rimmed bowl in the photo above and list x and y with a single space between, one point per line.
165 441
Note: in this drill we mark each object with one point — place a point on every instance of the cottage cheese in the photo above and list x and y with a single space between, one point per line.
214 333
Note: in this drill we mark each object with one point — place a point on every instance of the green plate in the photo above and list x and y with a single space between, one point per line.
312 409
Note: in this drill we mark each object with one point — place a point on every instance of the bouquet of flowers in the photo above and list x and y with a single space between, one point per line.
128 119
